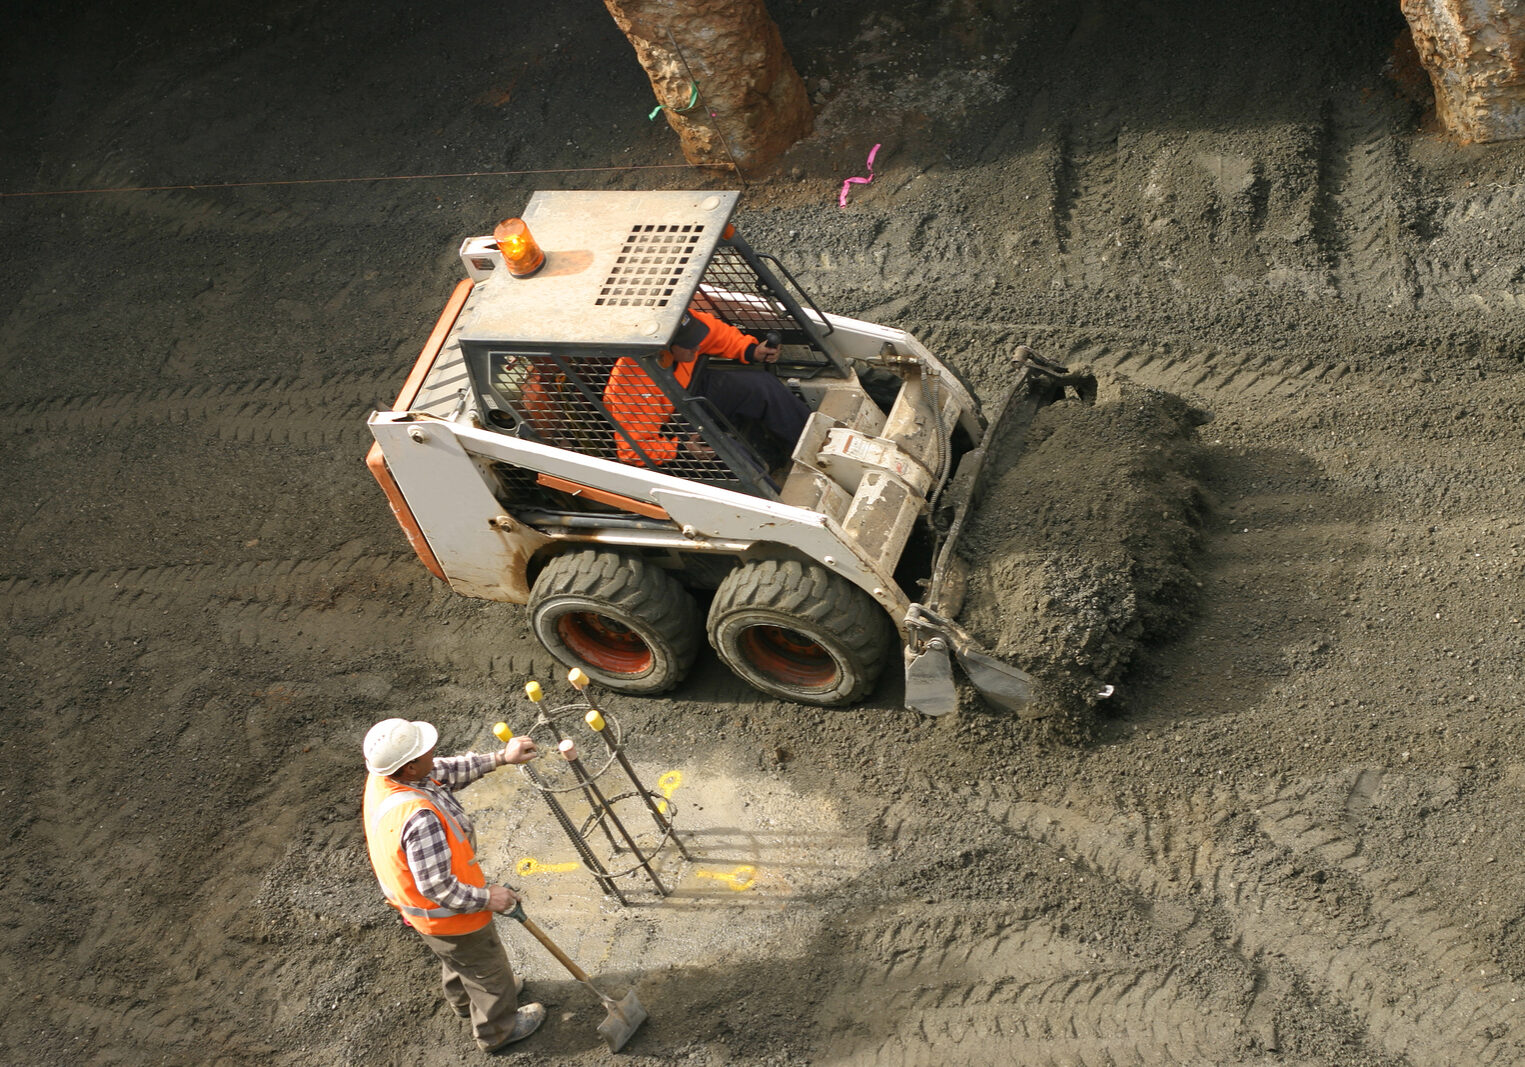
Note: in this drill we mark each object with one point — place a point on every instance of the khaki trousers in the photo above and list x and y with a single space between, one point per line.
478 981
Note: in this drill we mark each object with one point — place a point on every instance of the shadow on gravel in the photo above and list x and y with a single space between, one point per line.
1280 553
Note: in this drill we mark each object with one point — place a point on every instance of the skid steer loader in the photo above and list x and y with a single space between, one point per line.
513 481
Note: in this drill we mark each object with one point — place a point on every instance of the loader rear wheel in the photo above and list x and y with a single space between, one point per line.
626 622
797 631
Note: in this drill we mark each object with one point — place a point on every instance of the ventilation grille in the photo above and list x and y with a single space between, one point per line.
650 265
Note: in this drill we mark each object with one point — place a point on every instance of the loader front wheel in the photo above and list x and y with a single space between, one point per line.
626 622
797 631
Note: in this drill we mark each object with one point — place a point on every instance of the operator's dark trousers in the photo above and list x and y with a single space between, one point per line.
479 982
753 393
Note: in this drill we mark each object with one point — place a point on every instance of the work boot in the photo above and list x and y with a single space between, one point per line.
526 1022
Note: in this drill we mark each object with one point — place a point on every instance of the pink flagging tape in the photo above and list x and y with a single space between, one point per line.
850 182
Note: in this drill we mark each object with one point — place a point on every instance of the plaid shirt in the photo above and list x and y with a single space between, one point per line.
423 837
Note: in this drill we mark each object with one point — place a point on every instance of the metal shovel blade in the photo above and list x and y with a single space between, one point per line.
625 1015
622 1016
998 682
929 685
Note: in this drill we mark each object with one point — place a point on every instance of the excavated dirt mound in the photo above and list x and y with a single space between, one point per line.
1085 544
1294 842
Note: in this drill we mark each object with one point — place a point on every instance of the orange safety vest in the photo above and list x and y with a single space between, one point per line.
388 806
635 402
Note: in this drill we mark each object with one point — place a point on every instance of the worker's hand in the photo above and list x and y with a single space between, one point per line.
500 898
520 749
695 446
767 352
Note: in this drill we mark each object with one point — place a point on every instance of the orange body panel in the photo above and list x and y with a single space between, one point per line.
603 496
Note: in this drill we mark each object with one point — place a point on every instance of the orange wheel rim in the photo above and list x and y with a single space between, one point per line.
604 643
788 656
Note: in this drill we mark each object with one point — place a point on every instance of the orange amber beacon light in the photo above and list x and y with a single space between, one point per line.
520 251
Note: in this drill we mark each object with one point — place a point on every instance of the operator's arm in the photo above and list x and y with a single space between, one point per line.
428 852
727 342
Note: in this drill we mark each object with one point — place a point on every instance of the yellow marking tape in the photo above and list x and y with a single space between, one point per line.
668 785
741 878
529 866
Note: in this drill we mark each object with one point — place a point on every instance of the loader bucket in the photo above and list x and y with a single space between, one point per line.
929 683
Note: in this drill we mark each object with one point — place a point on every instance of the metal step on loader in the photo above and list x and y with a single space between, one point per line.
806 570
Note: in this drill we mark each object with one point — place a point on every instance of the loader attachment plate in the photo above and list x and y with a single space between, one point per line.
1001 683
929 686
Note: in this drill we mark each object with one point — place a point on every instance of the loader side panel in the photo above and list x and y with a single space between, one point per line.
483 551
376 462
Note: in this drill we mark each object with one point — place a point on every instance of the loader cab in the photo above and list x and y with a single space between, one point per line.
557 398
619 274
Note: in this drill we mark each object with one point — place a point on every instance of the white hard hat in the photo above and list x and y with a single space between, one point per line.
392 742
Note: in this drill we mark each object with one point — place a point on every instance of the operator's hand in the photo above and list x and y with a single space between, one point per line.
697 448
520 749
766 352
500 898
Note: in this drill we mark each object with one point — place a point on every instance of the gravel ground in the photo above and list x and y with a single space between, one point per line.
1288 841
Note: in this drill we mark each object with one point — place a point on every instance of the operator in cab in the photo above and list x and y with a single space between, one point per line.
647 417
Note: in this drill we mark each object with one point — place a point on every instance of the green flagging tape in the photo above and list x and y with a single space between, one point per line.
693 98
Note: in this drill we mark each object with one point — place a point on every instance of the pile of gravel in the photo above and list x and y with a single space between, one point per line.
1083 543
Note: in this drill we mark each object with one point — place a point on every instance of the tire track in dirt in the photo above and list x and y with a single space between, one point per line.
1084 217
338 604
136 1009
959 978
1204 370
1362 220
1481 276
267 410
128 591
1420 986
1183 367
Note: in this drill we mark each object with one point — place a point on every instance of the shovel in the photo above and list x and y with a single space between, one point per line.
624 1015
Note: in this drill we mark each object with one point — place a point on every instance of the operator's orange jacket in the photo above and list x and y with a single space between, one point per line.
635 402
387 807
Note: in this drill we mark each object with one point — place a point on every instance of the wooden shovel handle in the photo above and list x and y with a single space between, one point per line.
551 947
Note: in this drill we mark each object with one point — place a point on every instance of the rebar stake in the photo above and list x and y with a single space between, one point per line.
596 722
585 774
569 753
536 694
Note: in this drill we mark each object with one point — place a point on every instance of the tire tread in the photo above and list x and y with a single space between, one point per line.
634 587
809 592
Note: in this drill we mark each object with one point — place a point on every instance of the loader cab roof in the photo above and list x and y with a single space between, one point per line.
620 269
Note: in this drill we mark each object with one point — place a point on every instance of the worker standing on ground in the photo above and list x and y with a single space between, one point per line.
423 848
643 410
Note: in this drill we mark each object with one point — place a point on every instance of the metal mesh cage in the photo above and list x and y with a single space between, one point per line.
732 290
603 405
599 403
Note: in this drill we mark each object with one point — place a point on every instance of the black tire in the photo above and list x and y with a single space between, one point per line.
797 631
626 622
